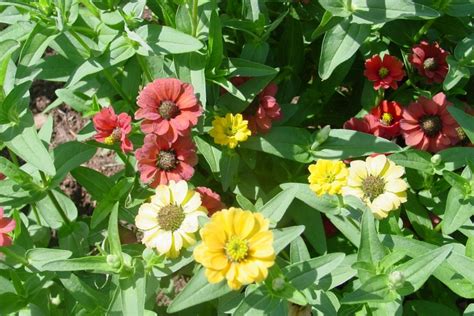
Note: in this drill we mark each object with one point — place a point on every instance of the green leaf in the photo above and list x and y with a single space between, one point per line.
97 263
416 271
458 210
113 232
258 302
326 203
277 206
97 184
298 251
379 12
198 290
456 180
339 44
247 68
215 46
229 167
459 8
228 86
82 292
282 237
418 215
13 172
314 233
49 212
286 142
211 153
455 158
15 101
414 159
38 257
104 206
370 249
166 40
456 73
426 308
465 120
133 291
343 144
376 289
302 274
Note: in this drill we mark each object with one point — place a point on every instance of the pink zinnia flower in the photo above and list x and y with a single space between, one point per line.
2 176
367 124
388 114
160 161
263 110
169 108
112 128
427 124
384 73
430 61
6 225
210 200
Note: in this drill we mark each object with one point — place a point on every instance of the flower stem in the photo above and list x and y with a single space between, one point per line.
195 17
55 201
423 30
116 86
144 68
13 157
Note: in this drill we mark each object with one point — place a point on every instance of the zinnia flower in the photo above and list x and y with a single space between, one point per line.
236 245
169 108
6 225
430 61
210 199
388 114
112 128
367 124
230 130
384 73
169 222
160 161
377 181
327 176
427 124
2 176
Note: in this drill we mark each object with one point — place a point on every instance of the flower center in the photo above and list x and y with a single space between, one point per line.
430 64
236 249
114 137
168 110
387 118
383 72
431 125
372 187
461 134
166 160
170 217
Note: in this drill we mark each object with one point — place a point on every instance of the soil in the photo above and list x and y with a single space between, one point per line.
67 123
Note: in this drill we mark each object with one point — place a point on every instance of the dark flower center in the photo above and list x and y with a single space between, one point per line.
168 110
430 64
170 217
383 72
431 125
372 187
166 160
461 134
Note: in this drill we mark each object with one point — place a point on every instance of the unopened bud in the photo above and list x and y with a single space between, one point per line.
56 300
396 279
113 261
278 284
436 160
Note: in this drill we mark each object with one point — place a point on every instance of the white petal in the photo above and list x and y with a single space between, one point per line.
177 241
146 222
358 169
376 165
352 191
163 241
193 203
179 190
393 172
149 237
190 224
162 196
396 185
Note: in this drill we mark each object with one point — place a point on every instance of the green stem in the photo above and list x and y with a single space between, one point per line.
13 157
92 8
195 17
128 167
55 201
35 212
423 30
145 68
80 40
116 86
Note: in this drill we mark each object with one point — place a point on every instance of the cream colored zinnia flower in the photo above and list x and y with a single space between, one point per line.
377 181
237 245
169 222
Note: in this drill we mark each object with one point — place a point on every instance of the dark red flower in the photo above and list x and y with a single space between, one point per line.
112 128
160 161
384 73
427 124
388 114
210 200
2 176
430 61
263 110
367 124
169 108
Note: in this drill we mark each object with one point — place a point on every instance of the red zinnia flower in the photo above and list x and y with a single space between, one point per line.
430 61
263 110
427 124
384 73
388 114
367 124
210 200
6 225
113 128
169 108
160 161
2 176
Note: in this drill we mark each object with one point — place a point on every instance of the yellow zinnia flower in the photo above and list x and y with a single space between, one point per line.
327 176
377 181
230 130
170 221
236 245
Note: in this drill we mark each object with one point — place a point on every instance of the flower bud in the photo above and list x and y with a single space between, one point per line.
396 279
436 160
278 284
56 300
113 261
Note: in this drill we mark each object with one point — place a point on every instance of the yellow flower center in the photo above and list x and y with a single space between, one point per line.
170 217
387 118
383 72
236 249
372 187
168 110
114 137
